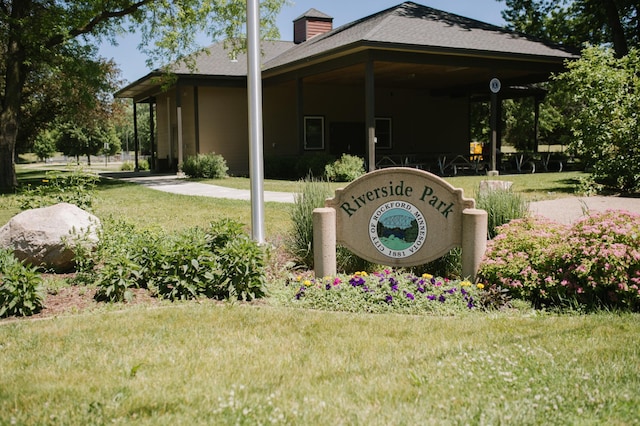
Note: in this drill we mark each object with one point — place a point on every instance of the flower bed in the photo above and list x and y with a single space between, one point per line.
593 264
386 291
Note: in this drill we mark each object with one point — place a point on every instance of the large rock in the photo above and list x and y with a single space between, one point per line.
38 236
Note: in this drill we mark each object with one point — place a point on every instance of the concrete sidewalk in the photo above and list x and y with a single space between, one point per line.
177 185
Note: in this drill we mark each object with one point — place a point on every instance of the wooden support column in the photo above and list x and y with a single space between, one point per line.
179 120
370 115
152 136
135 135
300 112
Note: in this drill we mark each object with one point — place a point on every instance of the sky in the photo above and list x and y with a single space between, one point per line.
133 66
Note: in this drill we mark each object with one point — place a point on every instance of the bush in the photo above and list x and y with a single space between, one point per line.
21 288
221 262
594 264
129 166
346 169
143 164
207 166
76 187
502 206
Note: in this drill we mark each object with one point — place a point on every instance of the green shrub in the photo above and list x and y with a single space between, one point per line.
21 288
502 206
76 187
187 268
221 262
346 169
207 166
143 164
127 166
241 265
593 264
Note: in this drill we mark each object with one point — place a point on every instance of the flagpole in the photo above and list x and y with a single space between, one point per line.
254 86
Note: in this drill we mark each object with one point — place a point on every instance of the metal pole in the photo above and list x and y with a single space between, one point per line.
254 86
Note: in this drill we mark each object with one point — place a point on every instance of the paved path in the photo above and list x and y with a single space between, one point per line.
177 185
569 209
563 210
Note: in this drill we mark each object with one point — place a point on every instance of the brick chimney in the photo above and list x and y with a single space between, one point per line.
310 24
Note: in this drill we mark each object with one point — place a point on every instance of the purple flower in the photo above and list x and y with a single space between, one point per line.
389 298
356 281
442 298
453 290
394 287
431 297
464 292
421 289
410 296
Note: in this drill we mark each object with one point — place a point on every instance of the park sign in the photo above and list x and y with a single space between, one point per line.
401 217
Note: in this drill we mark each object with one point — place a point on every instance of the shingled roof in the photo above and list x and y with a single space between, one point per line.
416 27
407 27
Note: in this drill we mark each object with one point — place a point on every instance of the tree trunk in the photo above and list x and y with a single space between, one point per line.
617 31
14 80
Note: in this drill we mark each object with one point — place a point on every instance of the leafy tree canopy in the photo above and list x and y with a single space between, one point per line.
51 41
577 22
603 112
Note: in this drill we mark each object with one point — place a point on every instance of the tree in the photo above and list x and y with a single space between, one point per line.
45 144
576 22
604 115
40 32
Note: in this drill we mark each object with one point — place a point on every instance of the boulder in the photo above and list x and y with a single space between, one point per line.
47 236
494 185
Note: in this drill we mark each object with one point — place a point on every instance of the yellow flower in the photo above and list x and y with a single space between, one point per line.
427 276
480 286
465 283
299 278
307 283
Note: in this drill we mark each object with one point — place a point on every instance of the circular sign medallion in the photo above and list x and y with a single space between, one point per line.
397 229
495 85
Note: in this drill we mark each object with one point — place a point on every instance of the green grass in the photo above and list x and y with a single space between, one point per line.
209 363
539 186
219 364
174 211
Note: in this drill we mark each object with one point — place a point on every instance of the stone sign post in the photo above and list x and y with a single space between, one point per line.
399 217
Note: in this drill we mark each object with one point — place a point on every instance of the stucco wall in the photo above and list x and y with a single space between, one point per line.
224 125
421 124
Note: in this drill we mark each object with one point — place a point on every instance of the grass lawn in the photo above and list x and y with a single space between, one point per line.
230 363
537 186
238 364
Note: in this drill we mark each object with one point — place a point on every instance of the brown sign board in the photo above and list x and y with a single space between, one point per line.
399 216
